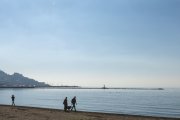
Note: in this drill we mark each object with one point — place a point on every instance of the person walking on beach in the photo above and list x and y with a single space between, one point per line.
65 104
13 98
74 103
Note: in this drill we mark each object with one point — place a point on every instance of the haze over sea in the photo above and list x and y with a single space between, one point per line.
120 43
162 103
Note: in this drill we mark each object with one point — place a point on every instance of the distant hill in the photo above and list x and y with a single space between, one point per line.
18 80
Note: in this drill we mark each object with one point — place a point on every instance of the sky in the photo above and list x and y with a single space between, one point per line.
119 43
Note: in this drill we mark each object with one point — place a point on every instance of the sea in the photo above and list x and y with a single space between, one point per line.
146 102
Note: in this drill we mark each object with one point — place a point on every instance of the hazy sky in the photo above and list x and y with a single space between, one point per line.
120 43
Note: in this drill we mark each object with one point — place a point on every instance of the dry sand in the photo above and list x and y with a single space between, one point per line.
29 113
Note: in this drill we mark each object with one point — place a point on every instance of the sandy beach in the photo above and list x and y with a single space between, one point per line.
30 113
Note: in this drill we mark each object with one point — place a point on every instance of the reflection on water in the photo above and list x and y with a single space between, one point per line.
163 103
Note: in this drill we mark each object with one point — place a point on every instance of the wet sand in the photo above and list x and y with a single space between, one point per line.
30 113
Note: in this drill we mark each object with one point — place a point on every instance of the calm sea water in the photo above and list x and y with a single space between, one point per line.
163 103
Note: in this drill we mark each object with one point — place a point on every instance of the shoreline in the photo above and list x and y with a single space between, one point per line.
71 87
36 113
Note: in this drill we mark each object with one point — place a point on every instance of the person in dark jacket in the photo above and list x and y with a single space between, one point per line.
74 103
13 99
65 104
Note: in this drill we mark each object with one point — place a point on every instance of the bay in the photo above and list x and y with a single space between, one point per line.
161 103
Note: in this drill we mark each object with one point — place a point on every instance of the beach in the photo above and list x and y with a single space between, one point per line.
31 113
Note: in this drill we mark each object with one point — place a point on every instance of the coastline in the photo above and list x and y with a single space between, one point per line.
78 87
34 113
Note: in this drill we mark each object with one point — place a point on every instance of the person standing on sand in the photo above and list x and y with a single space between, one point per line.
74 103
65 104
13 98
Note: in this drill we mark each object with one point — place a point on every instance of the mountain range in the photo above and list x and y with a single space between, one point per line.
18 80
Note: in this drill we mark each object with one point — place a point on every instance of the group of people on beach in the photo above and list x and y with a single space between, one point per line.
65 102
73 104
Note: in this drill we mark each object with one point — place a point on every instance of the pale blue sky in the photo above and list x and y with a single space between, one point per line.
120 43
